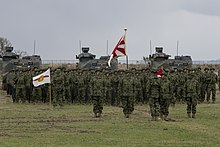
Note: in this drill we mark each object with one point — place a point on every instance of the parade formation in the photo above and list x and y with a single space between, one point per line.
123 88
99 82
164 82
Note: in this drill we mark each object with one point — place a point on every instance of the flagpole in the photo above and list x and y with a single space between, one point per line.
125 29
50 101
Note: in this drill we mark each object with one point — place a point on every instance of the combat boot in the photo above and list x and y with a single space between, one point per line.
99 114
165 118
96 115
189 115
193 115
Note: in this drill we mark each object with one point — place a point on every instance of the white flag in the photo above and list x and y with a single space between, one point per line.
42 78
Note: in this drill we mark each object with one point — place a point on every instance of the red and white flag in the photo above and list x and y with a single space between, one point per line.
42 78
119 50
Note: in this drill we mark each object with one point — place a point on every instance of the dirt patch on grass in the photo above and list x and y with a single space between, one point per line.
41 119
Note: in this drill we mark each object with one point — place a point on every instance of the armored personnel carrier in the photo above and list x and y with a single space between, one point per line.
88 61
159 59
11 61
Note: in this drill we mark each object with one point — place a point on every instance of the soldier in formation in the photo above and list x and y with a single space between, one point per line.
127 93
155 96
123 88
191 93
98 93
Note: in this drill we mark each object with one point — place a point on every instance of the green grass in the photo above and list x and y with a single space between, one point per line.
74 125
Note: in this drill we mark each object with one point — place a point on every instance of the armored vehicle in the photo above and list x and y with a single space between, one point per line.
88 61
11 61
159 59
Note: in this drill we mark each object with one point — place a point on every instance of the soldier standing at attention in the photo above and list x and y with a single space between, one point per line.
28 84
191 94
138 93
13 82
74 87
115 100
211 89
87 83
10 82
20 87
81 87
181 79
36 92
126 86
205 84
166 96
107 84
58 88
97 90
154 91
200 78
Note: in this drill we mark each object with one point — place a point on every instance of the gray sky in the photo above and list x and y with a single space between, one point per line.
58 25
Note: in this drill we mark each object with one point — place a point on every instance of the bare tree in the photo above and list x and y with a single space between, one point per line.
3 43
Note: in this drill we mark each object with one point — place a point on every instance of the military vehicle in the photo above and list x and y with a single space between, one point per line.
88 61
11 60
159 59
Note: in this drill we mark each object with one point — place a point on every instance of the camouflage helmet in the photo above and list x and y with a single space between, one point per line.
206 69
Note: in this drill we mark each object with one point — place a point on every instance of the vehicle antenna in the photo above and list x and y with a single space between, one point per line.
107 49
80 46
177 47
34 46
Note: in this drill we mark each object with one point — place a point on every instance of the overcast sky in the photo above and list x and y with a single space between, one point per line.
58 25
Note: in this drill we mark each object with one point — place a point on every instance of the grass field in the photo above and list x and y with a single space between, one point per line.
74 125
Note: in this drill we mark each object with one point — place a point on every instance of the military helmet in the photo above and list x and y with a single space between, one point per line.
206 69
212 69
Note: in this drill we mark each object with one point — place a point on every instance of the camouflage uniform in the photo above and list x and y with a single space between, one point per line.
45 93
201 80
36 91
172 78
74 87
81 88
191 94
154 91
58 87
67 86
138 93
97 90
211 89
127 94
10 82
166 97
87 83
20 87
219 79
108 88
181 79
205 84
28 85
115 99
